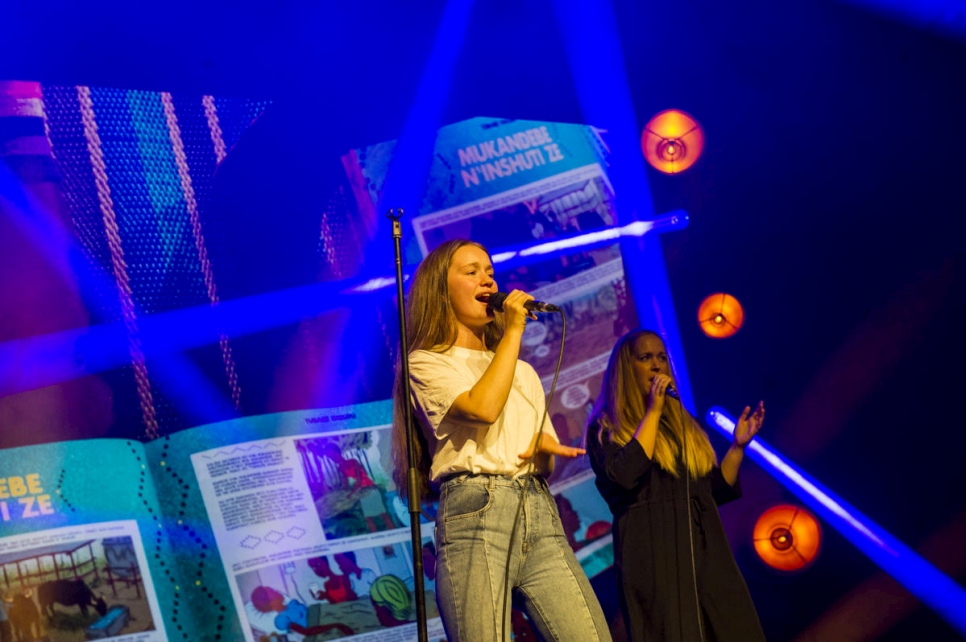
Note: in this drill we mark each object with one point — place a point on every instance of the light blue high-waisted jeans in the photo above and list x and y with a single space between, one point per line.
476 514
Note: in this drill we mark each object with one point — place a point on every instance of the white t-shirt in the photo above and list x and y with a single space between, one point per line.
438 378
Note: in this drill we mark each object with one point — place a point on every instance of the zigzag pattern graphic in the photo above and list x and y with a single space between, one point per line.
245 449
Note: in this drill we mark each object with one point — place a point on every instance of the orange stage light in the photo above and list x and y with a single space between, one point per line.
672 141
787 537
720 315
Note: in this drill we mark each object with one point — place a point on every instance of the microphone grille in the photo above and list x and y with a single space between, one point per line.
495 302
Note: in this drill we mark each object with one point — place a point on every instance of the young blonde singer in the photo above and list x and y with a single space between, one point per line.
479 409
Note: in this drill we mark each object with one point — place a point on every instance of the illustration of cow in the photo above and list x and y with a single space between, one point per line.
68 593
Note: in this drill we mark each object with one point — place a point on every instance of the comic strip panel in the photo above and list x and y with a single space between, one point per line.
78 583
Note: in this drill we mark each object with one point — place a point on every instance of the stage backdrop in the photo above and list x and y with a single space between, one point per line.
241 509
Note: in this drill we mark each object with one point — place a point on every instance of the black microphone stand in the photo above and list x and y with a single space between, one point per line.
413 477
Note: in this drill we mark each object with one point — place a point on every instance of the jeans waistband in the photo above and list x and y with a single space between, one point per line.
491 480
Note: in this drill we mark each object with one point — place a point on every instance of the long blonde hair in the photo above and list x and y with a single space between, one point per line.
430 325
620 409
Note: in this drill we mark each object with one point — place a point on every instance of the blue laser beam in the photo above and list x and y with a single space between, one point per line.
930 585
35 362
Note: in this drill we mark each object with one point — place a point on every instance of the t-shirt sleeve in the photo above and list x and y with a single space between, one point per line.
436 382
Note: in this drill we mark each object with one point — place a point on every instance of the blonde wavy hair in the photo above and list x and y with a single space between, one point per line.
430 325
620 409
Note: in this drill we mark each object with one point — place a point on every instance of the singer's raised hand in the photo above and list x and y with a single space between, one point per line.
656 395
514 313
749 423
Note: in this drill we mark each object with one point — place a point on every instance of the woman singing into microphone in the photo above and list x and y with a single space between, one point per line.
479 410
677 578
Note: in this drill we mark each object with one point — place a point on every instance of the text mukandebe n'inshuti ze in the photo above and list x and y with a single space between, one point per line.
23 497
507 155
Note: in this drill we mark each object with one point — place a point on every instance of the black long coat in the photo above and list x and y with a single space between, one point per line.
652 549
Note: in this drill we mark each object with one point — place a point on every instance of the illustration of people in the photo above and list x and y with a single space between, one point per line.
319 566
337 588
429 561
356 480
6 632
598 529
567 429
522 629
351 471
391 599
290 614
24 616
570 521
360 579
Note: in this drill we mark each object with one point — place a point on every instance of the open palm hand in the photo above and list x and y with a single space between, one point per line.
749 423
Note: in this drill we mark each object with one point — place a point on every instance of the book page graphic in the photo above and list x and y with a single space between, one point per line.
85 582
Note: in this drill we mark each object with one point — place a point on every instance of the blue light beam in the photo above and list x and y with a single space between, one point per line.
930 585
35 362
596 60
413 153
510 257
39 361
942 16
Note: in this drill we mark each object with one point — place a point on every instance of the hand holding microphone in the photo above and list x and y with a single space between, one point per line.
511 307
661 386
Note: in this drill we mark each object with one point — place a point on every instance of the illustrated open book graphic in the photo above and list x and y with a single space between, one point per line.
275 527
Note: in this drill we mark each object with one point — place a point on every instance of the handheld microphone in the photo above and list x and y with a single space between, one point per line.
671 392
495 302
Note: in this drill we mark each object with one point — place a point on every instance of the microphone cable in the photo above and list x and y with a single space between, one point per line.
528 476
687 500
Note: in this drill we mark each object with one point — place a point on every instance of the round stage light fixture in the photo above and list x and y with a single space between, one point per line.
672 141
720 315
787 537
